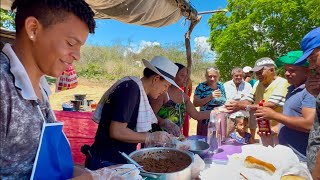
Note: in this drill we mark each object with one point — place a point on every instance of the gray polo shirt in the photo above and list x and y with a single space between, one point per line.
21 121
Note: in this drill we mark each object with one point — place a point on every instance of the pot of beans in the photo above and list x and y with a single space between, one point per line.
166 163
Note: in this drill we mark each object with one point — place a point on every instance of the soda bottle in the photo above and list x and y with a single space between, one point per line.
211 134
263 124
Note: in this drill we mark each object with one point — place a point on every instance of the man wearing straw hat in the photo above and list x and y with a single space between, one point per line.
125 115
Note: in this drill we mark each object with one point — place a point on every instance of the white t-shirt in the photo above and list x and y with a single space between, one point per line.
234 93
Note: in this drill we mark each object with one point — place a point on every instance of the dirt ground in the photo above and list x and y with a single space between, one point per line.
94 91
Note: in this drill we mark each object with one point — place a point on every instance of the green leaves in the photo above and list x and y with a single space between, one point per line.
256 28
7 19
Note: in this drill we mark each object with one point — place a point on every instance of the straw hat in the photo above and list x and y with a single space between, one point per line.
164 67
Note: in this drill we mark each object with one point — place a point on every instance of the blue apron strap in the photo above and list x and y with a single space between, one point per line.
54 157
37 155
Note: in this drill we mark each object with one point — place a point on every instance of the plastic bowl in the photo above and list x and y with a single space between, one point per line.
67 109
199 147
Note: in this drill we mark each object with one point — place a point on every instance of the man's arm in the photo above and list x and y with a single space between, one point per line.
119 131
302 123
194 113
245 105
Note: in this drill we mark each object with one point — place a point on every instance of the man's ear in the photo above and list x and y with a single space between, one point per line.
32 25
156 78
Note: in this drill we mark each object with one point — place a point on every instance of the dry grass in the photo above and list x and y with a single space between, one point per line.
94 91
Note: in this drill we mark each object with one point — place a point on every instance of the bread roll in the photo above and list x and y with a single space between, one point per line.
292 177
251 162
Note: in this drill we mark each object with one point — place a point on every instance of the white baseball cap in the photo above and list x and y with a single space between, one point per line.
246 69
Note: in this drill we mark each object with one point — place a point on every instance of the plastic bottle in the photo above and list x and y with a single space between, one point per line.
263 124
211 134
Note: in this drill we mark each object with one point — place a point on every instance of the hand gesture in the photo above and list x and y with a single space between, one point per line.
216 94
232 106
265 112
158 138
171 128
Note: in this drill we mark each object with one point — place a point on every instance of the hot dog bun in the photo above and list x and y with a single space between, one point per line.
292 177
252 162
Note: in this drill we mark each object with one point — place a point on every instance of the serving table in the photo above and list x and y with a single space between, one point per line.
223 151
80 129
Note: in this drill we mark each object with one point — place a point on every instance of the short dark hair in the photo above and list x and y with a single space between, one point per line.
148 73
180 66
245 119
50 12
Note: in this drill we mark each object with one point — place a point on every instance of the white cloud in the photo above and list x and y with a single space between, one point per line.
203 47
145 44
201 42
134 48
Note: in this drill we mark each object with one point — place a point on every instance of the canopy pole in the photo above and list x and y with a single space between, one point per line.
187 35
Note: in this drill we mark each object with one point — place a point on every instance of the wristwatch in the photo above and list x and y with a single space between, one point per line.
248 108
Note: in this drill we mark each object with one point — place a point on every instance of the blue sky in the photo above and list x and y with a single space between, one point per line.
109 32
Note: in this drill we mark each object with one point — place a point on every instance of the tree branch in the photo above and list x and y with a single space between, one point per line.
188 48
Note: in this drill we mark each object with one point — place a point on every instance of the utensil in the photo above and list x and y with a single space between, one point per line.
130 170
128 158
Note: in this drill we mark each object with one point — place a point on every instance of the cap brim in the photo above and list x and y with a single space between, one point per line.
255 69
147 64
304 57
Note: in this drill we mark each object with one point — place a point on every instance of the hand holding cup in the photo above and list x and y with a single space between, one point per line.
216 94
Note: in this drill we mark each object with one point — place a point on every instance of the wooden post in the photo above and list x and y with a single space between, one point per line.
188 48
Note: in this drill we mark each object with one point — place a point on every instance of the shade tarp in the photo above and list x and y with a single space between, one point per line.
153 13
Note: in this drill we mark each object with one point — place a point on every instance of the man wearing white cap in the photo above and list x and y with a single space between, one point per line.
248 76
270 88
125 115
299 108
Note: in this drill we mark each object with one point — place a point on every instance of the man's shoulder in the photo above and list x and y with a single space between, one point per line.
130 84
247 85
279 83
228 83
4 62
281 80
127 89
4 67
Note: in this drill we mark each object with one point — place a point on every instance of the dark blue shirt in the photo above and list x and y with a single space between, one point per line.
296 99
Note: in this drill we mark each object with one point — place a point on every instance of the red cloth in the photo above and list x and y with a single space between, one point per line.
185 128
80 129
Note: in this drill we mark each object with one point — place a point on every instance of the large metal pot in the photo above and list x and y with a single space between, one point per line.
166 153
